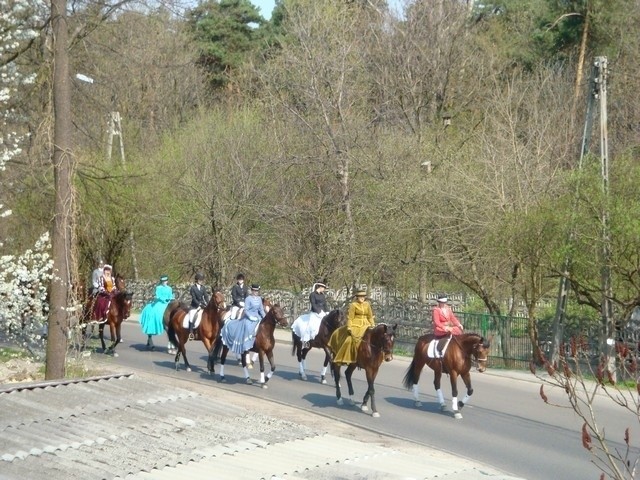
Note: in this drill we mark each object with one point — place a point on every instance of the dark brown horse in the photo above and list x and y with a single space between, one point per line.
456 361
207 330
118 311
330 322
263 344
375 347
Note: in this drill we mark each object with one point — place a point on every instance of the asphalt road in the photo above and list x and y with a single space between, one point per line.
505 424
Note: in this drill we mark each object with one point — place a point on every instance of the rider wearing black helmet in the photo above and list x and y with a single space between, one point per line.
238 294
199 299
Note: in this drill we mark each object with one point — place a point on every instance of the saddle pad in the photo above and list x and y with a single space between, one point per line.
432 349
197 313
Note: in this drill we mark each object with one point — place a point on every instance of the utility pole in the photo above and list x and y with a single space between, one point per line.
608 324
114 129
597 95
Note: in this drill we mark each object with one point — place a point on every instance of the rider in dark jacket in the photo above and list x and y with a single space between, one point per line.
199 299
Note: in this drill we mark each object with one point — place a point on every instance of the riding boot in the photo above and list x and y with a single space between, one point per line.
191 337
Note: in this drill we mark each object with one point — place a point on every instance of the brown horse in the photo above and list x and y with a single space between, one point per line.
207 330
118 311
263 344
330 322
456 361
375 347
172 307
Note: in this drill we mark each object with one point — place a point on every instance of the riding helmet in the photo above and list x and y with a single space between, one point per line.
199 276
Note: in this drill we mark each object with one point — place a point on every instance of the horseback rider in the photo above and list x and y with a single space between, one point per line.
239 293
199 300
318 303
345 340
239 335
106 289
151 316
444 320
95 277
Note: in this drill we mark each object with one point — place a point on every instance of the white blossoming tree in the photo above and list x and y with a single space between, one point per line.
24 276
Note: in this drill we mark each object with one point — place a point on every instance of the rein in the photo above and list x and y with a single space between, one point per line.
372 346
470 355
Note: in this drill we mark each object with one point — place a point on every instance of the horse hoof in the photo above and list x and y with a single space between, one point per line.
375 415
443 408
223 380
188 369
323 381
265 386
303 377
249 381
340 402
418 404
364 408
457 415
115 355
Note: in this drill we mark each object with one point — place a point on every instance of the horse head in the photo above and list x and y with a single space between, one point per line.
382 337
217 299
266 304
278 315
335 319
126 306
480 352
120 283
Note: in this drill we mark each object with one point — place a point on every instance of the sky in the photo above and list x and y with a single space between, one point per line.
266 6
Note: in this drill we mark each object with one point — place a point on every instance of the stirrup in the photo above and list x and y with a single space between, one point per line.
191 336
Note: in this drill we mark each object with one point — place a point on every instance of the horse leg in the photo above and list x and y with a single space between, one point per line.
301 357
415 369
323 374
454 394
223 358
347 375
263 379
101 333
182 348
114 340
245 368
272 364
211 357
336 377
371 376
437 370
466 377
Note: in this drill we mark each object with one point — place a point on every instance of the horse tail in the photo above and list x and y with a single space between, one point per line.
171 333
293 343
410 378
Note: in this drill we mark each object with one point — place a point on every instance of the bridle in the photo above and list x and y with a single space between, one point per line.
475 360
381 348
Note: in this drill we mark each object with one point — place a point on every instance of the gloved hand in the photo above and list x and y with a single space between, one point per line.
350 332
241 304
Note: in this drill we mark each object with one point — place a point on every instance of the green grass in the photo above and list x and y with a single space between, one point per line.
7 354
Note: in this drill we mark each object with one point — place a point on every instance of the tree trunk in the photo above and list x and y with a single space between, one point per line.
63 171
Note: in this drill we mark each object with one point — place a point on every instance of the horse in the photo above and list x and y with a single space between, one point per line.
330 322
207 330
118 311
263 344
172 307
456 361
375 347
